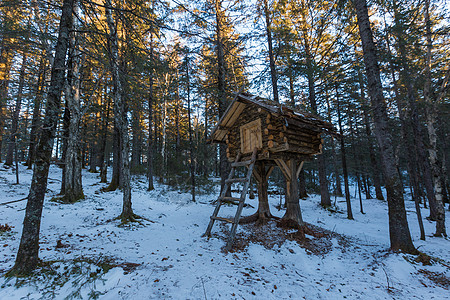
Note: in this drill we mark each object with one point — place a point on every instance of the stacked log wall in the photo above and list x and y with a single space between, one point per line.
233 140
279 134
287 135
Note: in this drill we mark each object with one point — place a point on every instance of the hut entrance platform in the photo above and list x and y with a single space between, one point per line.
268 135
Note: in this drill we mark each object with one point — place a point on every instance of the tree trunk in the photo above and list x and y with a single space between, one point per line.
35 123
115 179
273 70
137 139
93 149
431 120
374 166
120 116
400 237
177 123
417 157
291 82
27 255
15 118
150 146
105 121
72 179
205 146
338 187
262 215
65 138
225 166
6 58
344 162
164 151
357 158
191 145
325 200
302 185
373 161
293 216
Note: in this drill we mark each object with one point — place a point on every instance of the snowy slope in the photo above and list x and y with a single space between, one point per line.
165 256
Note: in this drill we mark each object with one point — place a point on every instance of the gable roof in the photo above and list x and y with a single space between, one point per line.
241 100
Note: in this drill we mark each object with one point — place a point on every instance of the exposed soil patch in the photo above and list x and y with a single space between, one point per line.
314 239
437 278
5 228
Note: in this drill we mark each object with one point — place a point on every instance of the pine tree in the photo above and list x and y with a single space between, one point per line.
398 226
27 255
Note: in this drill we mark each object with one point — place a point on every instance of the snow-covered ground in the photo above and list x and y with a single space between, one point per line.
165 257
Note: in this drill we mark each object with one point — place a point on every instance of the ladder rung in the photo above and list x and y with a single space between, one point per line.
222 219
241 163
231 200
236 180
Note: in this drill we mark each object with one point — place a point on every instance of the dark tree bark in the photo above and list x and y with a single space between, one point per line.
105 121
35 123
115 179
191 144
93 148
344 161
273 70
177 121
15 118
6 58
225 166
374 166
65 137
373 161
262 215
338 186
431 120
366 184
291 82
150 141
150 145
205 146
120 116
357 158
136 149
409 130
27 255
400 236
325 200
293 216
413 132
73 187
302 185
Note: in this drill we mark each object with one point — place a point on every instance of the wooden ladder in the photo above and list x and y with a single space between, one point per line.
239 201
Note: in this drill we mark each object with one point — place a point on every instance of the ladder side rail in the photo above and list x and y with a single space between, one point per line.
241 203
230 176
219 200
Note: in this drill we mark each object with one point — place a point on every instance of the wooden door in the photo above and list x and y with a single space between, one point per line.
251 136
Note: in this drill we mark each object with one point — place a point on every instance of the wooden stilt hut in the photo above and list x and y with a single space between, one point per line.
261 135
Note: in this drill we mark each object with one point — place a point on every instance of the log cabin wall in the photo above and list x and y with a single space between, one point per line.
249 114
280 135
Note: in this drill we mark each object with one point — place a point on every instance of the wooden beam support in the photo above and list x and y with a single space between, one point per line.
284 168
221 127
257 172
299 169
269 171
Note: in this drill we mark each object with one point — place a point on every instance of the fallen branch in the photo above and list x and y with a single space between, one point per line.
9 202
54 179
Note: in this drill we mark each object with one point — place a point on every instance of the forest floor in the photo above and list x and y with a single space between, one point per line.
87 254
